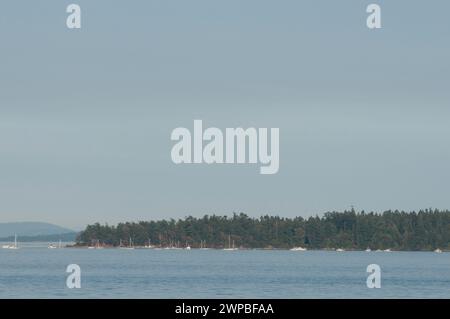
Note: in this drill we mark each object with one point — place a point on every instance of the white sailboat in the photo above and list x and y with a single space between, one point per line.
368 250
52 246
203 245
229 244
174 246
438 251
14 246
98 246
149 246
130 245
298 249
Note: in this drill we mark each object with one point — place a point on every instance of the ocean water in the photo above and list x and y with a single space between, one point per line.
38 272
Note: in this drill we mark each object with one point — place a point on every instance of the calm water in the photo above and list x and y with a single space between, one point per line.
33 272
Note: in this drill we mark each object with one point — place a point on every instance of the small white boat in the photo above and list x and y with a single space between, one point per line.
129 247
149 245
96 245
229 245
340 250
188 247
14 246
173 248
52 246
438 251
387 250
298 249
368 250
203 245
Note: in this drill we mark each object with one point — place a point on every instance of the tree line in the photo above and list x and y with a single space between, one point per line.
423 230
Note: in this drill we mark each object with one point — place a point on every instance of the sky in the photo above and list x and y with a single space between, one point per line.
86 115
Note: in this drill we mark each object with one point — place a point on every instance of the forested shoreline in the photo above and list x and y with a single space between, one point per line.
396 230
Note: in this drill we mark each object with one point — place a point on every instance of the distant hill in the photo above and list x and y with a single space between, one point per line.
31 229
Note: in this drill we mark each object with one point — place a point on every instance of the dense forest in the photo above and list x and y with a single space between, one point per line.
397 230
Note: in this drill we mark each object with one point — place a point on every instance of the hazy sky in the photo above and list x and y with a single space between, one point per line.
86 115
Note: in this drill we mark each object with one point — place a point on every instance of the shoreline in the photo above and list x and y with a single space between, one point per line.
251 249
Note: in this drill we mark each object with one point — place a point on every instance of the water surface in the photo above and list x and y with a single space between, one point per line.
38 272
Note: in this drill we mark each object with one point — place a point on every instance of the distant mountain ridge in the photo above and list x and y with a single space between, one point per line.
31 229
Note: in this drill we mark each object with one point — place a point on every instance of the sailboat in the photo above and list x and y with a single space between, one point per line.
52 246
203 245
298 249
170 246
98 246
229 244
15 246
149 246
438 251
130 245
